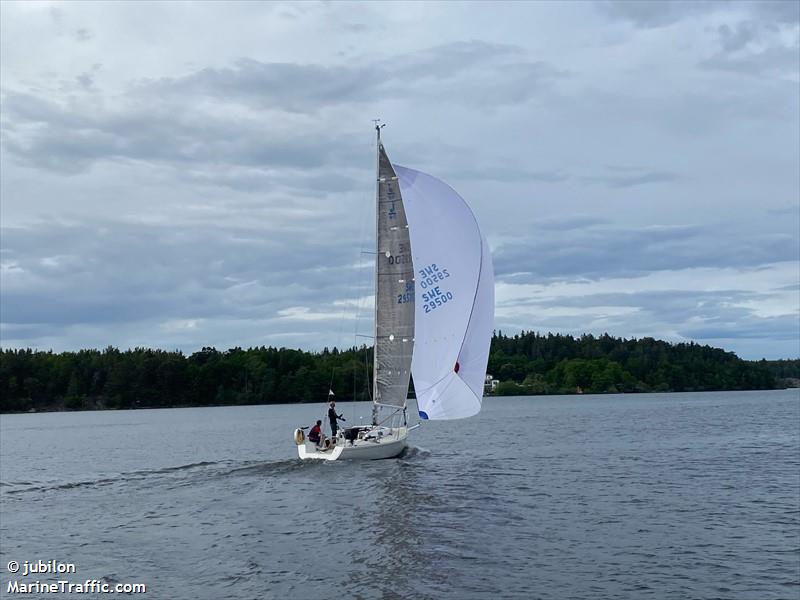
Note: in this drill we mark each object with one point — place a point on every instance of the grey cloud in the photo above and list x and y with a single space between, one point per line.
651 15
356 27
727 327
760 45
446 61
56 15
601 252
75 137
82 34
509 173
469 168
293 10
24 332
626 180
254 179
85 80
113 272
251 165
736 38
164 121
503 78
669 306
569 222
286 86
669 298
780 60
791 209
781 11
711 317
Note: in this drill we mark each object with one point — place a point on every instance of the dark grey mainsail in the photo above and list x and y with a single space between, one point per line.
394 291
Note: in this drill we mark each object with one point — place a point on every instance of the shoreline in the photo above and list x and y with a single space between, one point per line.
485 398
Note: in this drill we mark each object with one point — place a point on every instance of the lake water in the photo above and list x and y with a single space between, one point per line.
624 496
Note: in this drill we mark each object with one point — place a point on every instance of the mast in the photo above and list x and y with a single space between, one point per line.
378 127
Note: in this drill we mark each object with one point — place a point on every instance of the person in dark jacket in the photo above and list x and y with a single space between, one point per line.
315 433
334 419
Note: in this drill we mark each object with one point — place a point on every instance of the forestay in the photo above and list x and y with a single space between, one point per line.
454 298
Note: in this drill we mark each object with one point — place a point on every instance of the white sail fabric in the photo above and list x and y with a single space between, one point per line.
454 298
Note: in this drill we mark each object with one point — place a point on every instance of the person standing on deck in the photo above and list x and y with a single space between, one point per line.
334 418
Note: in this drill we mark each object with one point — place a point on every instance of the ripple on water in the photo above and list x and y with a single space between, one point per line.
667 496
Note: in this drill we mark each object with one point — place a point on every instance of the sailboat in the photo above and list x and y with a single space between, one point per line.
434 313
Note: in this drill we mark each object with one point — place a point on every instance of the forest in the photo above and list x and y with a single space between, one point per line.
525 364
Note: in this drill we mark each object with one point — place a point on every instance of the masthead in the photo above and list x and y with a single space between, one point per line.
378 127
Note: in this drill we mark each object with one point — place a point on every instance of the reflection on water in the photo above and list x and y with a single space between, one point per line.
661 496
394 555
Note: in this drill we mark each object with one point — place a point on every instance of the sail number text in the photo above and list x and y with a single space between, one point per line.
402 257
408 296
433 297
431 274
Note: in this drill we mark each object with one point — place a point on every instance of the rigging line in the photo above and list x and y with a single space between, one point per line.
399 409
366 364
366 351
352 278
357 315
362 235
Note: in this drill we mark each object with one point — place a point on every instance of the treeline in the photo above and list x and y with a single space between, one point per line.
531 363
783 369
144 378
528 363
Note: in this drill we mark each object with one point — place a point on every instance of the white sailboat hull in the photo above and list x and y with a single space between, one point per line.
390 444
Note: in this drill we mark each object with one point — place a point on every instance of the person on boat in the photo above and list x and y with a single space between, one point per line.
315 434
334 419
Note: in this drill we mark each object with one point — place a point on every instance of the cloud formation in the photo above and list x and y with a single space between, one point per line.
597 251
184 177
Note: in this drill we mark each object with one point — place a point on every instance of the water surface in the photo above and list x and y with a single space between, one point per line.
617 496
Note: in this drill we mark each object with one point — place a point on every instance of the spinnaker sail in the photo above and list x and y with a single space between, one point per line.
454 297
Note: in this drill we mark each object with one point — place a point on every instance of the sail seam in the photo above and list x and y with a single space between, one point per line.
474 297
466 383
446 387
435 383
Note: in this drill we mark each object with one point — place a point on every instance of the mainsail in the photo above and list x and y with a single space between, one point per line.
454 302
394 295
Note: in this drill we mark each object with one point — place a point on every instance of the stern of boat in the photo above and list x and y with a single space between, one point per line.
357 443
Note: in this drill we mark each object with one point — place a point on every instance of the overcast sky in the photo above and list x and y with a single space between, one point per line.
180 175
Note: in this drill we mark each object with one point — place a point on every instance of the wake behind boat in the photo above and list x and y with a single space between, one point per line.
434 313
